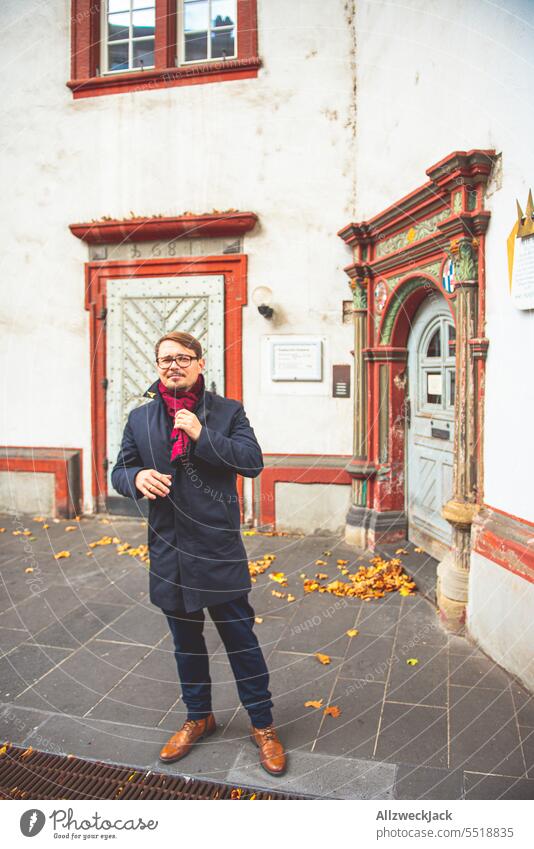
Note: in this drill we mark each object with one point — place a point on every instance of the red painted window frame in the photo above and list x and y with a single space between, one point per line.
85 53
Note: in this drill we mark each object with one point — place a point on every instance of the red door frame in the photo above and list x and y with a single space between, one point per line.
234 270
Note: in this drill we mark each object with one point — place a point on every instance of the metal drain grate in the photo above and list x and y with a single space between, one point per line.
32 774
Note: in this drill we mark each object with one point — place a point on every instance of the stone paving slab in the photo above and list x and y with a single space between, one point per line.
87 667
320 775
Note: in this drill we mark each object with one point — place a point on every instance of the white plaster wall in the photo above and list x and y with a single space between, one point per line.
27 492
433 77
312 507
499 616
281 145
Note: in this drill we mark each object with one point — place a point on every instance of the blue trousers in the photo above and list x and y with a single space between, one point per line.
234 621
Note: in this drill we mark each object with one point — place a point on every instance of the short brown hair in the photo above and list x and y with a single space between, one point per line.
185 339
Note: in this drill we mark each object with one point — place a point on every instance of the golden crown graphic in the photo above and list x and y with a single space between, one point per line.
525 222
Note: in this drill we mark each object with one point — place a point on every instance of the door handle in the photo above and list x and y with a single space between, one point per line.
408 412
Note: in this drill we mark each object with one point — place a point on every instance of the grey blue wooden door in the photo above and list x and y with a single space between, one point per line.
140 311
430 432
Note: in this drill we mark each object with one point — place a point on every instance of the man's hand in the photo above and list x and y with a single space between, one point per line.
152 483
189 423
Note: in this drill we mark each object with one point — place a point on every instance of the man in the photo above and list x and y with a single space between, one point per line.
183 451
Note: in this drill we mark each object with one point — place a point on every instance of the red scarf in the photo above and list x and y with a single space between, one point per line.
179 400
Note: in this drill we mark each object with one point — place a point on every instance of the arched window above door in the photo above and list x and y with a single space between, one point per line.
436 366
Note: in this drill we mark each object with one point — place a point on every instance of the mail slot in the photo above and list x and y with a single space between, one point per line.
439 433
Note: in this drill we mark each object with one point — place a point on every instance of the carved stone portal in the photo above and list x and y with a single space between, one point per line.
429 242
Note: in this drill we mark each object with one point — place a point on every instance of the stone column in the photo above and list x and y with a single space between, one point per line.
356 534
453 571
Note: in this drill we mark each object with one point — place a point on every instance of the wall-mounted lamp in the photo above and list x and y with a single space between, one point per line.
262 297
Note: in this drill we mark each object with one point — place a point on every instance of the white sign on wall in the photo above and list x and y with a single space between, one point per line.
520 247
523 274
296 359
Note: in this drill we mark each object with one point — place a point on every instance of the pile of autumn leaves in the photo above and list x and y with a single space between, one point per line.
367 582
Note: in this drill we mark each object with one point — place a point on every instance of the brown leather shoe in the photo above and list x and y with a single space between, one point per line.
181 743
272 755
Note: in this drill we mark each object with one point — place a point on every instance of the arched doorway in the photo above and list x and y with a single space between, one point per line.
426 248
430 425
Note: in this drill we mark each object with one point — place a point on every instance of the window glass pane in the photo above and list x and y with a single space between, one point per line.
143 4
434 346
118 57
433 387
143 53
196 15
118 6
196 46
222 43
222 13
452 332
143 23
118 26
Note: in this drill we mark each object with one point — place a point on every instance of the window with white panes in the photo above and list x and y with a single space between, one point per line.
207 30
128 31
437 363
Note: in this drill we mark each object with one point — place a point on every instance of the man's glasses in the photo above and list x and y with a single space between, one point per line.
181 360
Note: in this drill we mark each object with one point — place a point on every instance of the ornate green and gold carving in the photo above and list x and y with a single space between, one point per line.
412 234
359 296
464 254
395 305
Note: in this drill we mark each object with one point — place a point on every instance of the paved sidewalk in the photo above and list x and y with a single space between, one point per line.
86 667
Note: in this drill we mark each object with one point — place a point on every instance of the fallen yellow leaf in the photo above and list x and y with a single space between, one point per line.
279 577
61 554
412 661
317 703
71 528
38 518
290 597
352 632
332 710
322 658
258 619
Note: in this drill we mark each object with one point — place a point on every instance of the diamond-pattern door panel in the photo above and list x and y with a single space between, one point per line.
140 311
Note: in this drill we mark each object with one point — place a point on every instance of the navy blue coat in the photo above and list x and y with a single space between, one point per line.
197 556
